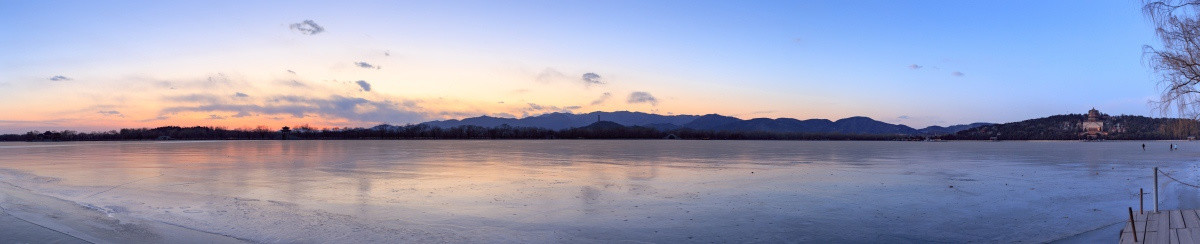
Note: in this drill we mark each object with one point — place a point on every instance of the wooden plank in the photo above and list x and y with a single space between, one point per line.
1185 236
1127 238
1176 219
1159 224
1152 221
1162 236
1146 230
1158 221
1151 225
1141 227
1140 220
1164 222
1195 234
1174 235
1190 218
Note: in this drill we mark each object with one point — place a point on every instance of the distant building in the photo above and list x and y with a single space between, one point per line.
284 132
1093 123
1093 127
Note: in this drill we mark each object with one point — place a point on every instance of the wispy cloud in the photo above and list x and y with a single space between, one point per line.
535 106
59 78
549 75
293 83
903 117
111 113
349 108
915 66
196 98
34 122
457 114
502 115
211 82
215 117
219 79
366 65
308 27
592 79
294 110
754 113
239 94
534 109
241 114
603 98
642 97
160 117
957 74
364 85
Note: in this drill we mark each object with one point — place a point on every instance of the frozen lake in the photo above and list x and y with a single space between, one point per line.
579 190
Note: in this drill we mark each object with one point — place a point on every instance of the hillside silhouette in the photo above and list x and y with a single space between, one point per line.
709 122
1068 127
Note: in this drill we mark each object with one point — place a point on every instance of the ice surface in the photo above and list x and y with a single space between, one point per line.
521 191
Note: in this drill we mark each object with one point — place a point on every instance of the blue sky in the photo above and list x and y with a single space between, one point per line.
239 64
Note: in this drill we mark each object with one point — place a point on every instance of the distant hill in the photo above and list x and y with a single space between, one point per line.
938 130
611 130
709 122
1069 127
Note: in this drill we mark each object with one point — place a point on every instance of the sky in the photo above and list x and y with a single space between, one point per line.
100 65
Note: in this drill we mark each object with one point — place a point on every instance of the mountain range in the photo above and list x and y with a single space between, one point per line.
710 122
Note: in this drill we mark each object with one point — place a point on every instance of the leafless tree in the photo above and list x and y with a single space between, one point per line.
1177 24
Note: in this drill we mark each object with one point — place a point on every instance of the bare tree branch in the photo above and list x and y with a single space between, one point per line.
1177 61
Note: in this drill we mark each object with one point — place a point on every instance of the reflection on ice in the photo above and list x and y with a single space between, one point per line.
551 191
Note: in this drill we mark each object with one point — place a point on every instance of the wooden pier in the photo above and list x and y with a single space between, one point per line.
1166 226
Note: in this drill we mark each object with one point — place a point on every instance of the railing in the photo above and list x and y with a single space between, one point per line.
1142 200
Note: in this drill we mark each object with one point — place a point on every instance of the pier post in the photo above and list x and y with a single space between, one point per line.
1155 189
1132 224
1141 200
